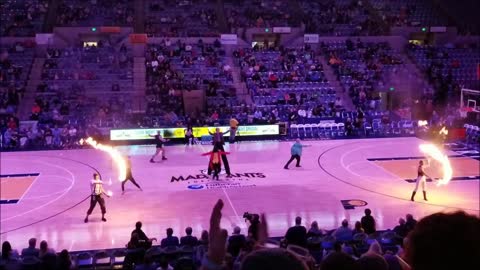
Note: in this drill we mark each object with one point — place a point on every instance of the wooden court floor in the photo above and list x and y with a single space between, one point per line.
177 193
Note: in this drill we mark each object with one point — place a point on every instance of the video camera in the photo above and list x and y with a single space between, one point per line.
252 218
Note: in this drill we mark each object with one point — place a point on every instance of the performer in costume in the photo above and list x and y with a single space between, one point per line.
421 180
218 142
296 152
233 129
129 176
215 163
96 196
189 138
159 141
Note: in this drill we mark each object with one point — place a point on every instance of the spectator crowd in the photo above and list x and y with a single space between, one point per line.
411 244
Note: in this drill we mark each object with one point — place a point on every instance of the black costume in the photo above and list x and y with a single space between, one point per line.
189 137
158 141
129 176
159 145
218 143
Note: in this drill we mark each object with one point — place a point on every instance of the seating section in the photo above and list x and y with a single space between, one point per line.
252 13
472 136
86 84
409 13
363 69
375 124
289 80
95 13
173 68
339 18
181 18
22 18
448 67
15 64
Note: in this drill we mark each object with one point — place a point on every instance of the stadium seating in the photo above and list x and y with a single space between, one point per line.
22 18
95 13
181 19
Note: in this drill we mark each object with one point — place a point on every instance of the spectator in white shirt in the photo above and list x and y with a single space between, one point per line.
302 113
257 115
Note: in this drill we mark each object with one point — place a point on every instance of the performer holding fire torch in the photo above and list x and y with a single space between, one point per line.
421 180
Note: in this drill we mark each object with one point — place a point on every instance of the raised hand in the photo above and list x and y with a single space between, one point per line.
217 235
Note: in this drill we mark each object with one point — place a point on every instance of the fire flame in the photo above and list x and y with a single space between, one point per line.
443 131
432 151
114 154
422 123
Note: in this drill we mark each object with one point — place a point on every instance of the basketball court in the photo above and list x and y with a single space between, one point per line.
45 194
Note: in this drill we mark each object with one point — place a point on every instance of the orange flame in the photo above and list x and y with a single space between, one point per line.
432 151
422 123
114 154
443 131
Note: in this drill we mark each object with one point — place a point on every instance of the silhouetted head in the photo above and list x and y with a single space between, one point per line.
298 221
32 242
274 258
444 241
358 225
6 250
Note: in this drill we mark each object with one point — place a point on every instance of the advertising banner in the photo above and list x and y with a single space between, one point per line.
284 30
228 39
44 39
311 38
174 133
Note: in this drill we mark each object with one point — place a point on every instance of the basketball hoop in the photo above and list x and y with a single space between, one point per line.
469 99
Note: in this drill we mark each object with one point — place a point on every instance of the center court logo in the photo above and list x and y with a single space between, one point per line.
202 180
195 187
204 176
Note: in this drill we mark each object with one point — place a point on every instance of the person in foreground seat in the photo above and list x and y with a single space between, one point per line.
144 241
297 235
170 240
445 241
188 240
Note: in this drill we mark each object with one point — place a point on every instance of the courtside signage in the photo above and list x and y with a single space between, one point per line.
173 133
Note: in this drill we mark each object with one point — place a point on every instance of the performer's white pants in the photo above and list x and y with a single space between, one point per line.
421 180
